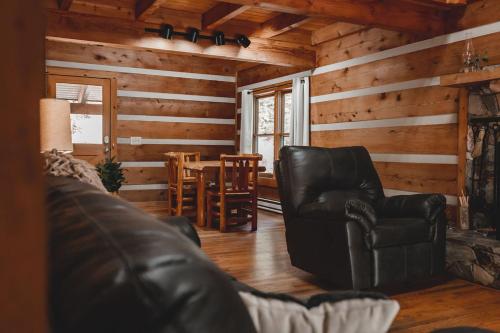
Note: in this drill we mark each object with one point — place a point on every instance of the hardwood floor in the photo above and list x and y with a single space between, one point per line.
260 259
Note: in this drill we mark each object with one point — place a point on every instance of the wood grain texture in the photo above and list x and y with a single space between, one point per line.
261 260
23 229
335 31
221 13
265 72
432 139
417 177
432 62
155 152
142 175
406 103
280 24
103 55
160 130
87 29
360 43
174 108
174 85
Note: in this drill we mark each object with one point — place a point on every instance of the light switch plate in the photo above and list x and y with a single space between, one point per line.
136 140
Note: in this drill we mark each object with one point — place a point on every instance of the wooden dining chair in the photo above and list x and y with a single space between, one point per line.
181 193
234 201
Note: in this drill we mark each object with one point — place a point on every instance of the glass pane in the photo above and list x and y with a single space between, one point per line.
286 141
265 108
86 111
287 112
265 147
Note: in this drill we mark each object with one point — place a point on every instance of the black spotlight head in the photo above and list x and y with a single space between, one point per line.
166 31
193 34
219 38
243 40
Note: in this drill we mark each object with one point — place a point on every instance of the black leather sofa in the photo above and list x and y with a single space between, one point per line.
114 269
342 228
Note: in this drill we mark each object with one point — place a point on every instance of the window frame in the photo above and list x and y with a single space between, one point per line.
279 92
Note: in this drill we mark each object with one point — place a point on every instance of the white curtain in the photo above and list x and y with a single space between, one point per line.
300 127
247 127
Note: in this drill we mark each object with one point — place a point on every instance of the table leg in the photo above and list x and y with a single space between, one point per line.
200 206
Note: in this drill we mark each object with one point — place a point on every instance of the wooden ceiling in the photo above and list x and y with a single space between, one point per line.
289 26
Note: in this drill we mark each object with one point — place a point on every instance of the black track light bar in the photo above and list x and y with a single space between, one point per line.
193 35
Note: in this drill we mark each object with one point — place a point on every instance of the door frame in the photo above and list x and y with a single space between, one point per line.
87 77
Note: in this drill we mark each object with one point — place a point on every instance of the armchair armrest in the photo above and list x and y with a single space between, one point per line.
427 206
361 212
183 225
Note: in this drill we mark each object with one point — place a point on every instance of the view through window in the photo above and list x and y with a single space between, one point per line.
273 120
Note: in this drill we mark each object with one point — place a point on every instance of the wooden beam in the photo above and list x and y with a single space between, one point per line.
91 30
220 14
145 8
452 2
64 4
388 14
280 24
335 31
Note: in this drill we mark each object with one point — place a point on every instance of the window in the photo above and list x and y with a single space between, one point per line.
273 110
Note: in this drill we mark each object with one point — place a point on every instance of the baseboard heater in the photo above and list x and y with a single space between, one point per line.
269 205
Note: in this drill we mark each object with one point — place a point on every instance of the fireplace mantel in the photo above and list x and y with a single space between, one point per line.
464 81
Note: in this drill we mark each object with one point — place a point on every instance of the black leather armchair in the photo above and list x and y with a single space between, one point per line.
342 228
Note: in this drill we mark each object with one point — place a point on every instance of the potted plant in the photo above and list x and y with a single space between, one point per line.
111 174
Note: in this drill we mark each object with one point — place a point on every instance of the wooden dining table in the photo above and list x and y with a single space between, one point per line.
202 169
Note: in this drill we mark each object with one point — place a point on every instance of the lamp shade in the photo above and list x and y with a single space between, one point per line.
55 125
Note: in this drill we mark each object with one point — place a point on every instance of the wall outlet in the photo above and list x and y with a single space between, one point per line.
136 140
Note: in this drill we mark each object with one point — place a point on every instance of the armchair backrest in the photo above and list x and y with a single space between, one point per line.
305 173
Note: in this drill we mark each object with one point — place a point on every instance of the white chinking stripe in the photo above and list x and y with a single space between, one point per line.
142 187
394 122
181 97
143 164
126 141
450 199
414 47
136 70
415 158
166 119
274 81
412 84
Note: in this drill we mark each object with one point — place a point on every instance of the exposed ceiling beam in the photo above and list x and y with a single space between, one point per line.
335 31
220 14
452 2
64 4
145 8
389 14
280 24
90 30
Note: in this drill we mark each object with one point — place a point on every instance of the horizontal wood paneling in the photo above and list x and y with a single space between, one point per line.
265 72
405 103
156 152
435 178
145 175
432 62
160 130
150 83
359 44
96 54
174 108
434 139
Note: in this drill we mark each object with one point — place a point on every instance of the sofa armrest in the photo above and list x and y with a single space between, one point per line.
426 206
361 212
183 225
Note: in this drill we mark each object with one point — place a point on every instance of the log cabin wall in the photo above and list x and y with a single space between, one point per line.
388 99
185 104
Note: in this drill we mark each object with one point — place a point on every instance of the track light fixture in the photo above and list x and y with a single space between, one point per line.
193 35
219 38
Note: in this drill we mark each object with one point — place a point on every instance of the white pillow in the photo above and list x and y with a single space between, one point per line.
353 315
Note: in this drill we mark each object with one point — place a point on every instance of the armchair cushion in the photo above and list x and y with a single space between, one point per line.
330 204
425 206
400 231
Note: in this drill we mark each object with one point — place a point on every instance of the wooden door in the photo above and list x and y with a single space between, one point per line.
91 121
